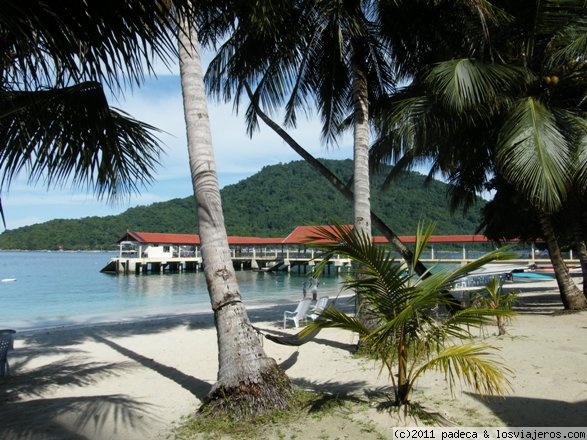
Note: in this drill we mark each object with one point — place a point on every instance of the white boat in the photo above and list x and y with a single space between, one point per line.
547 269
8 280
529 276
499 269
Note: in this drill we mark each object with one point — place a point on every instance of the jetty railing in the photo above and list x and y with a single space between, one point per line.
288 259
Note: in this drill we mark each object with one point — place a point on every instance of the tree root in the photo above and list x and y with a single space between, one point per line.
247 400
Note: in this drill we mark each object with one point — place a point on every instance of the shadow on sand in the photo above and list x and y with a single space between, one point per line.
536 299
42 418
29 413
525 411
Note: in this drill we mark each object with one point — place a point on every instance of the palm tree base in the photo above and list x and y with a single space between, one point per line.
248 398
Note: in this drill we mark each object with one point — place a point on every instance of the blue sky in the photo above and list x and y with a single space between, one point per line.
158 102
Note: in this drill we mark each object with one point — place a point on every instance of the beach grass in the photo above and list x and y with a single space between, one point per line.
310 411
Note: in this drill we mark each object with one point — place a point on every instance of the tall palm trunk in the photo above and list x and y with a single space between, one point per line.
571 296
361 181
248 381
362 192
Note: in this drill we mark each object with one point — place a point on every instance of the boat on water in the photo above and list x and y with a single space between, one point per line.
528 277
8 280
499 269
548 270
503 272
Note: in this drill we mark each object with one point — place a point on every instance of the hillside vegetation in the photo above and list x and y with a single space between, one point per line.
270 203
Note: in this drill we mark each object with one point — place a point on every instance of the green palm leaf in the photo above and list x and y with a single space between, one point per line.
472 363
534 155
581 152
58 42
58 56
71 134
406 333
464 85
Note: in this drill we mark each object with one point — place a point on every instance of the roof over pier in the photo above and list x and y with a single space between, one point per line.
300 235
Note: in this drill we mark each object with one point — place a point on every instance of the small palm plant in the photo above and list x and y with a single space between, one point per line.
410 336
492 297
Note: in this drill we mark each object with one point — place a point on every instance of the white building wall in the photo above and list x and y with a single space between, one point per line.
159 251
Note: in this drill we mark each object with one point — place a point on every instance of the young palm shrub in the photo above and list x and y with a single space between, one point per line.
493 298
411 335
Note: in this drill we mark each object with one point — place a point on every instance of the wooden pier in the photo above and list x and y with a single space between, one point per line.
134 265
145 252
276 260
261 261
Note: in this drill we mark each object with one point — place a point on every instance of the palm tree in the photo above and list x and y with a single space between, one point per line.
412 336
58 58
325 51
55 123
249 382
492 297
501 109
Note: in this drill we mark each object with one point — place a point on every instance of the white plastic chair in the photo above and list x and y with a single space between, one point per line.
321 304
299 314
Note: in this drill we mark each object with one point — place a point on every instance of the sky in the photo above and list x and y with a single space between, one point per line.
158 102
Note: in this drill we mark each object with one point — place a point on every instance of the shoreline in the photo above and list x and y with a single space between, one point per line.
135 380
199 309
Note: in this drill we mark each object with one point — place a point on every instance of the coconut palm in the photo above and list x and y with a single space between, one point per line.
323 52
249 382
58 58
513 108
411 336
300 52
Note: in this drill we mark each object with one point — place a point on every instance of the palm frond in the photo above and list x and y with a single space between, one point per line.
534 155
71 133
57 42
557 15
472 363
344 240
569 47
581 152
333 318
422 238
465 85
401 328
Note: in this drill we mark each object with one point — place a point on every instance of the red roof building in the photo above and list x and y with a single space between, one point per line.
300 235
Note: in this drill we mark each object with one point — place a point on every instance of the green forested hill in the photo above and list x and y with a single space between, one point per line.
268 204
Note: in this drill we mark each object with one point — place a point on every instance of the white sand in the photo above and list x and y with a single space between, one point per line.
134 380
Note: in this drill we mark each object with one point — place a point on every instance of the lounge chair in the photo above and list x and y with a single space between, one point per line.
299 314
6 343
321 304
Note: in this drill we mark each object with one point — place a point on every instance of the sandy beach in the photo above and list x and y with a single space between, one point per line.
135 380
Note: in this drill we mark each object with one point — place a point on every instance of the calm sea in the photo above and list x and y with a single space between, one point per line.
52 289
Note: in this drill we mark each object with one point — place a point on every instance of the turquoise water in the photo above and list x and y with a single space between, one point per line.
66 288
